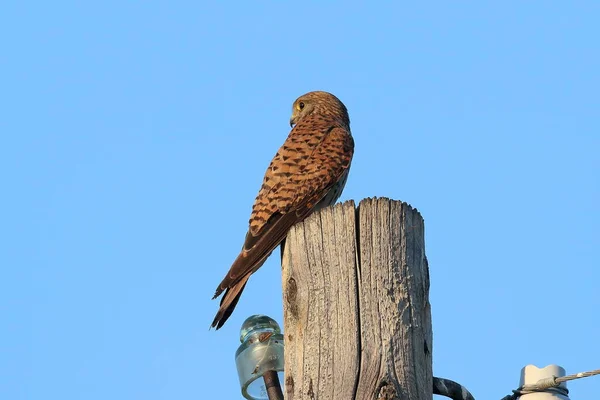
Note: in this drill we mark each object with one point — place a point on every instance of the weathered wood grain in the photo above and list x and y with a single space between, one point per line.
357 319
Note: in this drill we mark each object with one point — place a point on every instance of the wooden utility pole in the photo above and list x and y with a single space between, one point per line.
357 319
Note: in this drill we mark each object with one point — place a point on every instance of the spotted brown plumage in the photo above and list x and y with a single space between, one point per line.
308 172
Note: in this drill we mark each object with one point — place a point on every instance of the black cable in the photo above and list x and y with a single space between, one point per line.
451 389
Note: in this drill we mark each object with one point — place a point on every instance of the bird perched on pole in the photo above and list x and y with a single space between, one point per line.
308 173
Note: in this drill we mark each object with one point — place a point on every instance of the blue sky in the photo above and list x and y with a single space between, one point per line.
135 136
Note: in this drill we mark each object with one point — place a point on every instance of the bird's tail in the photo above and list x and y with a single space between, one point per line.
229 301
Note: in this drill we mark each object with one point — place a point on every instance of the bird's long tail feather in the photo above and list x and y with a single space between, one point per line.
228 302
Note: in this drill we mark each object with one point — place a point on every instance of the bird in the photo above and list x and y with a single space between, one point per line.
308 172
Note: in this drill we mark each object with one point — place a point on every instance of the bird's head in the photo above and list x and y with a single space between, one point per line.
321 103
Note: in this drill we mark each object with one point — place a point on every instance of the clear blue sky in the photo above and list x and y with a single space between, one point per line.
135 136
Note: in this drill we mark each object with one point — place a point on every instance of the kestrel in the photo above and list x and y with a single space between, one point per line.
308 173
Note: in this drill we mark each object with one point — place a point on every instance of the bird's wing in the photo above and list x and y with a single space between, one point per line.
310 162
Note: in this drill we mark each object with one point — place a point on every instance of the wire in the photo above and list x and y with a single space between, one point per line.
577 376
451 389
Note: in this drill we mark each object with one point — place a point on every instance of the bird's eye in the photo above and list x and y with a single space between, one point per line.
301 105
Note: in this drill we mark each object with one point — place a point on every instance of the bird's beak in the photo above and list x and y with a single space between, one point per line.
292 122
